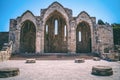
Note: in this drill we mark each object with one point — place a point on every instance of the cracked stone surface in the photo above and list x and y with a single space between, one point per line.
60 70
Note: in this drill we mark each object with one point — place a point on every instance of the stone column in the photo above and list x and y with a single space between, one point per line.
42 37
72 38
17 41
93 40
38 47
73 41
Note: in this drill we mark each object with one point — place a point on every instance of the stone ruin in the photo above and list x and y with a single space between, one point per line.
55 30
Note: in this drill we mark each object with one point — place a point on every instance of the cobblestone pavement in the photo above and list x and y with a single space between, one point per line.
60 70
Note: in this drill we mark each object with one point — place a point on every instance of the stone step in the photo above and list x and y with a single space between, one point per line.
52 56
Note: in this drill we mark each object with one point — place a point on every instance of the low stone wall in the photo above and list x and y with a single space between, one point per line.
6 51
111 56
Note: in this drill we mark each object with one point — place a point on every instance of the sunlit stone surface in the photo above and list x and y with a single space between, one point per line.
60 70
56 30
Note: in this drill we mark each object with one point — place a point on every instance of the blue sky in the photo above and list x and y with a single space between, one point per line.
107 10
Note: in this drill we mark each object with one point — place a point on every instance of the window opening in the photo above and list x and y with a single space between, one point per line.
56 27
46 29
79 36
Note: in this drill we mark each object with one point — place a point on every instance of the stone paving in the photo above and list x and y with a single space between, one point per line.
60 70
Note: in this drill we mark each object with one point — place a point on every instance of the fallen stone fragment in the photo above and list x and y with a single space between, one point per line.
8 72
96 59
102 70
79 60
30 61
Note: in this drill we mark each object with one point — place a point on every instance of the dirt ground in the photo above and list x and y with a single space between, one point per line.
60 70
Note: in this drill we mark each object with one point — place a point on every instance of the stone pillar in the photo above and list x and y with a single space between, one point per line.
73 41
17 42
42 42
72 38
42 37
14 35
93 41
38 47
15 38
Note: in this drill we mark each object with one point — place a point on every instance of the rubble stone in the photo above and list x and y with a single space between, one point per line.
9 72
30 61
102 70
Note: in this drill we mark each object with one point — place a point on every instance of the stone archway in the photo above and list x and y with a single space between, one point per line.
27 37
83 38
55 34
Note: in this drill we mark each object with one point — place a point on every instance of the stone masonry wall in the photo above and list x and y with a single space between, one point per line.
98 32
105 35
6 51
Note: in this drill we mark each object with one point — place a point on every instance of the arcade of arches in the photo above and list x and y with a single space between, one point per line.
55 30
55 38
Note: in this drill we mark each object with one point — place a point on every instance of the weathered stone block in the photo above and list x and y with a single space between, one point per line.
30 61
96 59
111 56
79 60
102 70
9 72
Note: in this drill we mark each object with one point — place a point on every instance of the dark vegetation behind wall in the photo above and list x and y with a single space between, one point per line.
3 38
116 33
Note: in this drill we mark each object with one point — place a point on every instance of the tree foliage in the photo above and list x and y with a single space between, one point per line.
3 38
116 33
100 22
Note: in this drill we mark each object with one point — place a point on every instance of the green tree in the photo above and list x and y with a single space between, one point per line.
116 33
3 38
100 22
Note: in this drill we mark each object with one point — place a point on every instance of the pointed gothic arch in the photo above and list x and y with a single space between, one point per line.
54 41
28 37
83 38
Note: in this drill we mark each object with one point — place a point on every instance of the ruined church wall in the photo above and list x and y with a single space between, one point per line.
98 32
105 35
